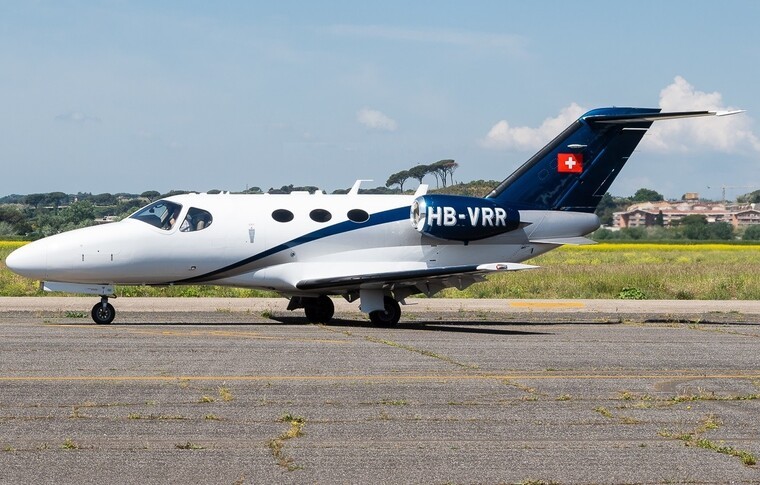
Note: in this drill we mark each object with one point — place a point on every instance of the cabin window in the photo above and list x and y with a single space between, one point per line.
282 215
358 215
161 214
320 215
196 220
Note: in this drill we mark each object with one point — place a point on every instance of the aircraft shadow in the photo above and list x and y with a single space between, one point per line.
434 326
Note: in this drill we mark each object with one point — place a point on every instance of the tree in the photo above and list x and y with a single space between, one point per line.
647 195
35 200
7 230
442 168
659 219
751 198
79 214
57 198
103 199
694 227
398 178
151 195
605 209
722 231
752 233
418 172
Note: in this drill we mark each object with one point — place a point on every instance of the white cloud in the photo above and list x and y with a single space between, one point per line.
375 120
503 136
730 134
76 117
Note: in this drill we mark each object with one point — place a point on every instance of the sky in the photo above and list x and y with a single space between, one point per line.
129 96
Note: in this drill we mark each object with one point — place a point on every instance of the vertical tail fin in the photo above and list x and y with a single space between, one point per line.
574 170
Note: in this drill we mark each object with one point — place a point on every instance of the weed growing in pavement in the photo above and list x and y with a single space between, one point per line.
603 411
69 444
225 394
277 445
189 446
695 439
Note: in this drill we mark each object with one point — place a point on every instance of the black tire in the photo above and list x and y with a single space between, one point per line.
389 317
103 315
319 310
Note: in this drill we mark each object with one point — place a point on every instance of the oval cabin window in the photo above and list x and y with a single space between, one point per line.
320 215
282 215
358 215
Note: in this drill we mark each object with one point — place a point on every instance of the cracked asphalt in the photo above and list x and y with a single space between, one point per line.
243 391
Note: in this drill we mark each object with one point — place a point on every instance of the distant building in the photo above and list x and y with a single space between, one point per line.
645 214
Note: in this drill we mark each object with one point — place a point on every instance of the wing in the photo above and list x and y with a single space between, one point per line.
426 280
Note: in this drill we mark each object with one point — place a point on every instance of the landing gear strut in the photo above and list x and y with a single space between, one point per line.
319 310
103 313
389 317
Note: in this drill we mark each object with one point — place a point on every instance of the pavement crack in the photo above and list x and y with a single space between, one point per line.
409 348
277 445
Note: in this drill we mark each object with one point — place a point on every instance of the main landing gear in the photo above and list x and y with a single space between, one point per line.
103 313
388 317
319 310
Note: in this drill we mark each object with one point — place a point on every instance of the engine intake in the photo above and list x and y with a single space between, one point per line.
461 218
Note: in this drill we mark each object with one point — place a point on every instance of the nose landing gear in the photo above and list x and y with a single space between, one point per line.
103 313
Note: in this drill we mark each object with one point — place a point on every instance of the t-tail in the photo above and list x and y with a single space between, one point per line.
574 170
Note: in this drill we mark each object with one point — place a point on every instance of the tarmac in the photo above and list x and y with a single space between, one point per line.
463 391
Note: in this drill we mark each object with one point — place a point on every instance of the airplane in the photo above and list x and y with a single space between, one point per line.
378 249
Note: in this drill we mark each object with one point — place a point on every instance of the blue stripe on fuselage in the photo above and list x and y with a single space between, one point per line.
384 217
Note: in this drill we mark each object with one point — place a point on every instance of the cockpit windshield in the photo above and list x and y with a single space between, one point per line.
161 214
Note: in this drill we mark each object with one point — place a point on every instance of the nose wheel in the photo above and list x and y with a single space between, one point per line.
103 313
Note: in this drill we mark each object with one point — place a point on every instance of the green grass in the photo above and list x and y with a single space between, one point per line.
651 271
610 270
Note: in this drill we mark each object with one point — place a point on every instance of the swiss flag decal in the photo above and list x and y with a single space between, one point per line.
570 162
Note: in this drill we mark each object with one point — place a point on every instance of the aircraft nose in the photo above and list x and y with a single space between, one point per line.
29 261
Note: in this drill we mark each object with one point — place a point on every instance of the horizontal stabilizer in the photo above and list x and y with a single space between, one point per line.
633 117
574 241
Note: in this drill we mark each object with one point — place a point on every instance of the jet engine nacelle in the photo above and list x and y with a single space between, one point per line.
460 218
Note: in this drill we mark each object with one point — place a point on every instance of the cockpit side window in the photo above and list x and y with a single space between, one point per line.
161 214
196 220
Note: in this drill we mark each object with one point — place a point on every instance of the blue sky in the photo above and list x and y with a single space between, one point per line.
131 96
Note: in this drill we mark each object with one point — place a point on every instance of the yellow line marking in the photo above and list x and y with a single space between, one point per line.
205 333
547 304
383 377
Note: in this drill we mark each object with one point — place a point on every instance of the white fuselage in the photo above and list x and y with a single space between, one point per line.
245 246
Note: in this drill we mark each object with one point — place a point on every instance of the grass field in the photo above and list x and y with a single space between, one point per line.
645 271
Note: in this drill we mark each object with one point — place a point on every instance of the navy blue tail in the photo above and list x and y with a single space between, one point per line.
574 170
